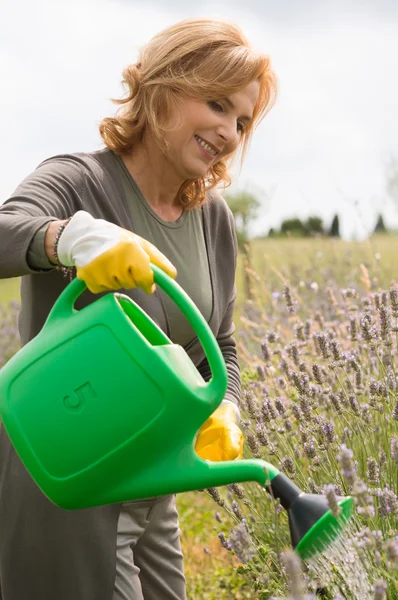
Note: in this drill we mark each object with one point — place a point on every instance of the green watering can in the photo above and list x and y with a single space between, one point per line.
102 408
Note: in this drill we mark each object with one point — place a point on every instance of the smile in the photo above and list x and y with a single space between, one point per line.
205 146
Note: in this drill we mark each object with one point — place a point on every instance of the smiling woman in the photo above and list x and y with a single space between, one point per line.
177 76
193 100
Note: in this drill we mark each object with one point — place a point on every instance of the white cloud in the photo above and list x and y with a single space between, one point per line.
321 147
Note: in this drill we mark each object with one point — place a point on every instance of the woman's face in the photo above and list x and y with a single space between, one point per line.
208 131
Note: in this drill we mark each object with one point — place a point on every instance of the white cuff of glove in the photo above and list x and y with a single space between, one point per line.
237 411
86 238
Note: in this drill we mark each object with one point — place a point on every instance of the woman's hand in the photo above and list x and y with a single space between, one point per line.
219 437
108 257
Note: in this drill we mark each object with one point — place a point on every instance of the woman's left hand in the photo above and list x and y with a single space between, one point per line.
219 437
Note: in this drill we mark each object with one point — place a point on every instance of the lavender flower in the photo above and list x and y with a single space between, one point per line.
394 449
309 448
373 471
301 382
287 465
362 498
215 494
317 372
337 352
237 510
252 406
224 541
385 324
394 301
265 351
261 434
323 343
368 331
388 502
261 372
354 404
335 401
294 574
391 548
379 588
332 500
307 328
241 543
279 405
345 457
253 444
328 432
287 294
299 332
353 329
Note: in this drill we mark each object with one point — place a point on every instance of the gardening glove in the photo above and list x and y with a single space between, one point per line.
220 438
108 257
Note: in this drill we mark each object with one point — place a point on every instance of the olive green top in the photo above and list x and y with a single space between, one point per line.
183 243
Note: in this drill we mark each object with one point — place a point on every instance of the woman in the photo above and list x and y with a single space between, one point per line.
194 98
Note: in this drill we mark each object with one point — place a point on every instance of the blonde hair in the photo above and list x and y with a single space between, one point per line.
202 58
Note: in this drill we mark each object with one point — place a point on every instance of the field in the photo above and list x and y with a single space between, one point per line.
330 304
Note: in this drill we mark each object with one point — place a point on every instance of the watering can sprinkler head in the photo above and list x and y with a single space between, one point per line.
313 527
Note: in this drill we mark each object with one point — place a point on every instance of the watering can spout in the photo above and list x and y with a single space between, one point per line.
313 527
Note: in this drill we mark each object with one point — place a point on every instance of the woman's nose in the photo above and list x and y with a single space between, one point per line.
229 133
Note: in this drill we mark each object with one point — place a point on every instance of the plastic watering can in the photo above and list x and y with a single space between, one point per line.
103 408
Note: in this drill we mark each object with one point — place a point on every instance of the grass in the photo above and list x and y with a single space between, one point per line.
9 290
211 572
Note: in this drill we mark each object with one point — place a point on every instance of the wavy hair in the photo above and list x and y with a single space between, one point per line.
205 59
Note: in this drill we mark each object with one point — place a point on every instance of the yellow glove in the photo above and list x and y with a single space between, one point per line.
108 257
219 437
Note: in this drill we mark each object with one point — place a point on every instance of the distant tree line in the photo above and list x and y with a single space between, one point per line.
314 227
311 227
245 208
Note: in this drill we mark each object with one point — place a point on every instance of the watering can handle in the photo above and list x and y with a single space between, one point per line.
205 335
218 384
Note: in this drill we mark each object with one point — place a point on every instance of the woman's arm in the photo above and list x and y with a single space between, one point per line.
48 196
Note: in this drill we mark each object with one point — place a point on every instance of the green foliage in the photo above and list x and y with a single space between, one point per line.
244 207
380 226
297 228
313 226
320 332
334 230
293 226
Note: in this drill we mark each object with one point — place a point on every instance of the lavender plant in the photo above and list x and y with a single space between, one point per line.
320 401
9 336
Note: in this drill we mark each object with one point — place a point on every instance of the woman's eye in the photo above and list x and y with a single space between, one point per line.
219 108
216 106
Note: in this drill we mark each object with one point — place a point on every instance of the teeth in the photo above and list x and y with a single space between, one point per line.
205 146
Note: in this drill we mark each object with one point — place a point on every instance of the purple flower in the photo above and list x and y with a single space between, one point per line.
241 543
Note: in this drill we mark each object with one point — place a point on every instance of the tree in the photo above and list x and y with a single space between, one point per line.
334 230
293 226
380 227
244 207
314 226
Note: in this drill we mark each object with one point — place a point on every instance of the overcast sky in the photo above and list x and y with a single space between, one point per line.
321 150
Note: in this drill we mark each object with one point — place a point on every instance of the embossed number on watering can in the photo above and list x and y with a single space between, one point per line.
79 397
